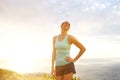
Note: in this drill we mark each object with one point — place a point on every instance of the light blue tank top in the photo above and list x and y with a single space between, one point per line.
62 51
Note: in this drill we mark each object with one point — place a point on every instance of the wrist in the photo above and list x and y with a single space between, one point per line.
74 60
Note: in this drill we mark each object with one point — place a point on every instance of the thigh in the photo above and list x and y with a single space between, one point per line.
69 69
68 76
59 71
59 77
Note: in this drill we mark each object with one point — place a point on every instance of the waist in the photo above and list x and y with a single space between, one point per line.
63 63
63 50
61 60
70 63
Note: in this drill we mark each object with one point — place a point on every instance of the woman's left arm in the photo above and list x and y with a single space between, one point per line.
73 40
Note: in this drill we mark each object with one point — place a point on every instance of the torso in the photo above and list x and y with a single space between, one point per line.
62 49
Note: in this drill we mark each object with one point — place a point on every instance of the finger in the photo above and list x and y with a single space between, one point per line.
67 57
54 75
68 60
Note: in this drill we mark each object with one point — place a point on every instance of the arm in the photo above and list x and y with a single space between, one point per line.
53 57
73 40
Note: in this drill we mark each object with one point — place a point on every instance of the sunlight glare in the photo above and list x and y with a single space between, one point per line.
22 65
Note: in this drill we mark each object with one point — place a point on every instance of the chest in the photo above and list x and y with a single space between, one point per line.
62 44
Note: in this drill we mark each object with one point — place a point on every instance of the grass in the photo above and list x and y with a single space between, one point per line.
11 75
43 76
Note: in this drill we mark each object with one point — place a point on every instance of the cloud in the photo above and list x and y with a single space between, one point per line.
110 30
25 15
28 23
88 16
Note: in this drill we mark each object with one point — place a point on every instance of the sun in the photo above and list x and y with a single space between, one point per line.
22 65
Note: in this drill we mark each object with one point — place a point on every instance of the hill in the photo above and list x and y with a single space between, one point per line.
6 74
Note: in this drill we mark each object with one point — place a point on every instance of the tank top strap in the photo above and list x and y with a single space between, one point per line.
66 37
57 37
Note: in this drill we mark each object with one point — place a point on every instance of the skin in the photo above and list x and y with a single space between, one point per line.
65 26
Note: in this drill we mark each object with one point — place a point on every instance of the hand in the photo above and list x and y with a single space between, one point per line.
53 73
69 59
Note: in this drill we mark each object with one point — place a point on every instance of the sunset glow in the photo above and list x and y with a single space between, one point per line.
27 29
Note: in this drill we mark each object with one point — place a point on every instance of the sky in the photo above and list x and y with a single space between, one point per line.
28 26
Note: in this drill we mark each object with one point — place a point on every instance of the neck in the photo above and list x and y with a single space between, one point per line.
63 33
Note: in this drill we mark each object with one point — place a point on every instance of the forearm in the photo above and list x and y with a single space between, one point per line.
79 54
53 60
52 66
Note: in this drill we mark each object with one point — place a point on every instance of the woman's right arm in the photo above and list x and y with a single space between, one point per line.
53 56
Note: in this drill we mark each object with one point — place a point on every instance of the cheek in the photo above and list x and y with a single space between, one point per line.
68 27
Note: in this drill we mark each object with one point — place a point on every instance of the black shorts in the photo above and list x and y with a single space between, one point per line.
66 69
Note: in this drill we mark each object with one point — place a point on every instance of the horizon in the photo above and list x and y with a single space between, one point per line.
43 66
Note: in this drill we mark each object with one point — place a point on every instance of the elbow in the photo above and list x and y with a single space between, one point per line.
84 49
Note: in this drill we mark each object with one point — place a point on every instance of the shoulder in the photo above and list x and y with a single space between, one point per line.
54 37
71 38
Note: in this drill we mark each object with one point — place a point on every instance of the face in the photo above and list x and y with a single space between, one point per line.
65 25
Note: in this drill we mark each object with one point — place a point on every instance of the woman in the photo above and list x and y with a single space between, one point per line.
62 64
